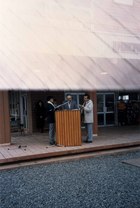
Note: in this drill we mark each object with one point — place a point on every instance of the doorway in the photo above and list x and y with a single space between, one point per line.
23 110
106 109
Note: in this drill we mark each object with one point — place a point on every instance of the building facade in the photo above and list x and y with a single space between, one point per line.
23 106
74 46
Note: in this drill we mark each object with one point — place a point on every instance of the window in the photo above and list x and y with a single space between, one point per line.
77 96
125 2
14 110
124 97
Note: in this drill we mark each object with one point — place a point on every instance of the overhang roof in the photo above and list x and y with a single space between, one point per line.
36 54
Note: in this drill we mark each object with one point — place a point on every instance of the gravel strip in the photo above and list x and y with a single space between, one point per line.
101 182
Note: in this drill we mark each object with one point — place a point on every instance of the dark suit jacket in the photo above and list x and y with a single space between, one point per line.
50 111
72 105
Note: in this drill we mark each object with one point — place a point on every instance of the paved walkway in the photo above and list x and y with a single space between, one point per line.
37 145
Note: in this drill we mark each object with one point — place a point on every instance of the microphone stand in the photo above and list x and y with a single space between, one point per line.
60 105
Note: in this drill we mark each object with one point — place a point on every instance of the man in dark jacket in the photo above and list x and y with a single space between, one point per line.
50 111
70 103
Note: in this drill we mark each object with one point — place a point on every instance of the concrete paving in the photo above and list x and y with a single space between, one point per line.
135 162
37 146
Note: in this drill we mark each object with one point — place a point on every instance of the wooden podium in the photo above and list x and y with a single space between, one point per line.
68 127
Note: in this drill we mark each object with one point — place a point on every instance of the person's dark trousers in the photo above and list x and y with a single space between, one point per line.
89 130
52 133
121 118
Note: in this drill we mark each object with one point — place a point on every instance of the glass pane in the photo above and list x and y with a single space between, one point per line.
100 103
110 118
74 97
14 111
100 119
81 99
109 102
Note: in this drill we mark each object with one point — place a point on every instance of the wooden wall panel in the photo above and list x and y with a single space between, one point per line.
1 117
5 136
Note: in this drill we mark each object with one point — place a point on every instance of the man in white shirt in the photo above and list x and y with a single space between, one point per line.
87 107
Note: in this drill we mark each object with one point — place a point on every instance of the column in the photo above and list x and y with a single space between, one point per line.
5 135
29 113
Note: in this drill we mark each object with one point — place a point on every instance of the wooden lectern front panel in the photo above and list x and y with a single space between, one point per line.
68 127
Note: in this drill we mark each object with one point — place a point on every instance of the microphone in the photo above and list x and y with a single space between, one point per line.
61 105
82 106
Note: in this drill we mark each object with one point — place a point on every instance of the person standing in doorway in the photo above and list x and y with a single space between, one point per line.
50 111
121 112
40 116
87 107
70 103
